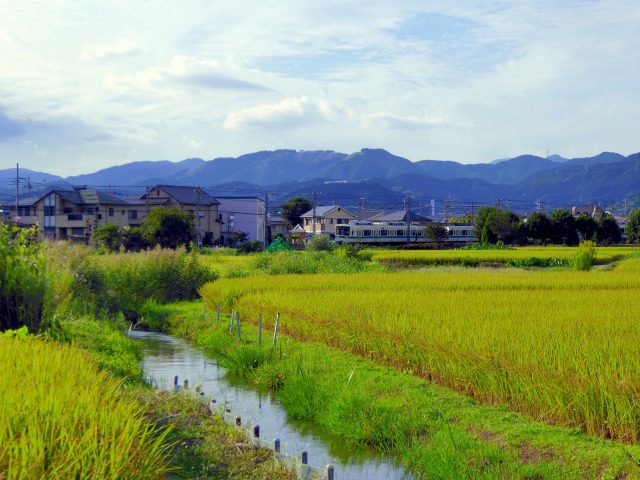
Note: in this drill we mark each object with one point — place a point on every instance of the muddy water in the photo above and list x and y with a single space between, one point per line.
166 356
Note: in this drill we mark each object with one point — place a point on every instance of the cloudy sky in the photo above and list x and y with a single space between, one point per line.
87 85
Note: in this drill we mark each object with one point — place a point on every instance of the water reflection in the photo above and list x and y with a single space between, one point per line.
166 356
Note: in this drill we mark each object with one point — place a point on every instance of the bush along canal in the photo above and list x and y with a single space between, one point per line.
167 357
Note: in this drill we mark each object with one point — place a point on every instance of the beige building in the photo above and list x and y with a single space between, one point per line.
71 214
326 219
192 199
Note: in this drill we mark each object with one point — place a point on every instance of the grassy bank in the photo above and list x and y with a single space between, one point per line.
437 433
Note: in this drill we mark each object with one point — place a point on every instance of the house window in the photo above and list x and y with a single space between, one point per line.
331 221
77 231
133 214
24 211
49 211
111 211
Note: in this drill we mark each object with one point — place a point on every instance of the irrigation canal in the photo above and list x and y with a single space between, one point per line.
166 356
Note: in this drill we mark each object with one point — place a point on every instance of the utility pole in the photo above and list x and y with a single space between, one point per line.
198 192
408 210
446 210
17 190
315 202
266 218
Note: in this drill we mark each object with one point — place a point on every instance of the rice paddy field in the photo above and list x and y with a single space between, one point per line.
557 344
62 422
502 256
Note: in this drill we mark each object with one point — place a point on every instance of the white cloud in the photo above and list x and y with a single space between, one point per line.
400 122
288 113
109 51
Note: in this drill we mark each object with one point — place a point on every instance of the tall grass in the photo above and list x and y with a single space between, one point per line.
124 282
585 256
62 422
560 346
23 283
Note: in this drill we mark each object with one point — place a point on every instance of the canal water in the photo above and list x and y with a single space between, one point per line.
166 356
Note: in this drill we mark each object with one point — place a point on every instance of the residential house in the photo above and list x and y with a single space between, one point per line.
594 211
326 218
278 226
242 214
71 214
192 199
399 216
26 214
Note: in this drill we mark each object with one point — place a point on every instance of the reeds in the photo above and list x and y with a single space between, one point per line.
63 418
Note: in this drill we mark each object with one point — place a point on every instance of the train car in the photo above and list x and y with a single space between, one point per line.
461 233
378 234
396 234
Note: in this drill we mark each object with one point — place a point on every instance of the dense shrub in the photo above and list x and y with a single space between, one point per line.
320 243
538 262
282 263
23 283
125 282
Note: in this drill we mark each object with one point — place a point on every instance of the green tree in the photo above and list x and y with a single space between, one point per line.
632 228
479 222
563 226
108 236
169 228
608 231
436 232
238 238
293 209
587 227
538 227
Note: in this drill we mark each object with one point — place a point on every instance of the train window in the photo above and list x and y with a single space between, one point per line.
366 233
384 233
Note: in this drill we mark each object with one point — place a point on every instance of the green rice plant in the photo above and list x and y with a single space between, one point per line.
476 257
546 343
64 418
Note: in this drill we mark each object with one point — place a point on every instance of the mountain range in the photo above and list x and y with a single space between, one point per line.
372 176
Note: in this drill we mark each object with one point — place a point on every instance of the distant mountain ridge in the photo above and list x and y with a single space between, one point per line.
606 177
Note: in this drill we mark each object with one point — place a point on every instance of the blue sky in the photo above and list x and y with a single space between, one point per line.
106 83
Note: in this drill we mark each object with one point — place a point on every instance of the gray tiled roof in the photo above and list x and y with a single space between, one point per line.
89 197
188 195
321 211
398 216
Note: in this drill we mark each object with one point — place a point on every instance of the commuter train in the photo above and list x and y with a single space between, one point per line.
396 233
